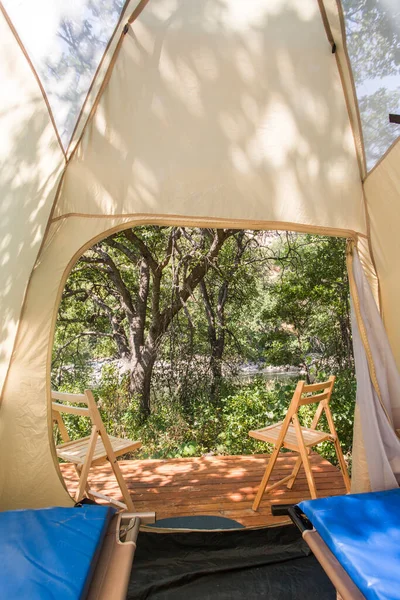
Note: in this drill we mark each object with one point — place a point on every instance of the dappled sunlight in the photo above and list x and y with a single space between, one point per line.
30 166
65 42
213 485
230 111
215 113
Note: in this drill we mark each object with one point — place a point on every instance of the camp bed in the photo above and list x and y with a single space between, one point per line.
356 539
78 553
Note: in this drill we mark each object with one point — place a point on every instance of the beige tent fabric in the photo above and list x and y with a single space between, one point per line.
184 134
359 469
363 248
31 476
28 477
382 191
378 381
182 129
30 166
334 14
94 90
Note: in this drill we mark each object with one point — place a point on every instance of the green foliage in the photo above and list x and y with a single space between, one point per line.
169 433
259 405
342 406
373 38
277 299
306 320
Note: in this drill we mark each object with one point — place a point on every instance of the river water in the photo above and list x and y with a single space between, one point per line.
282 376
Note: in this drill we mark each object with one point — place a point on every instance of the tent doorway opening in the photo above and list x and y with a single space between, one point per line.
191 337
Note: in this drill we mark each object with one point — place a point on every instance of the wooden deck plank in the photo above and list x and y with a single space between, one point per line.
210 485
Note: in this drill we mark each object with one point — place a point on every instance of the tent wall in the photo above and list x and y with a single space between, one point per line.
30 165
215 112
28 472
222 109
382 191
336 28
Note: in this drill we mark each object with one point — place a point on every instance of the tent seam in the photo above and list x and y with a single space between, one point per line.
211 221
361 159
382 158
56 196
121 17
96 102
366 212
327 26
356 127
107 75
35 74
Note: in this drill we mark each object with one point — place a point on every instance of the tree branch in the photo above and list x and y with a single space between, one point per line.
143 249
195 276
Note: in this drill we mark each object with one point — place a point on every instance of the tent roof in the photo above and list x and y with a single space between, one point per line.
66 40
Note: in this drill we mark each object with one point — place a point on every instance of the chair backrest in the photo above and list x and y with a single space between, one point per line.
311 394
324 389
91 411
72 399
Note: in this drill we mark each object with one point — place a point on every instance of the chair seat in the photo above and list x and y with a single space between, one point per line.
75 451
311 437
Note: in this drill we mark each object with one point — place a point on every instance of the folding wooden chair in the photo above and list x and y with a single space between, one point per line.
290 434
92 450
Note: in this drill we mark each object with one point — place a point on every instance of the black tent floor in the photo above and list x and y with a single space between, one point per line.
271 563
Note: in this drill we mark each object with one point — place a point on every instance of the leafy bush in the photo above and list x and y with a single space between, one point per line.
172 431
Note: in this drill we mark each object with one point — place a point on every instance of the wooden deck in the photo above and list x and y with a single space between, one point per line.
217 485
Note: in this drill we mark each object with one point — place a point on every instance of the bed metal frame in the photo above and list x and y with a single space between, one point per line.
346 588
114 565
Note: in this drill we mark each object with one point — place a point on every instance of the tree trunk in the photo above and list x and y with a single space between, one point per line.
216 335
138 314
140 381
216 367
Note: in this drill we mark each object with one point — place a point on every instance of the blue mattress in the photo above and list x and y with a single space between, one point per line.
50 553
363 532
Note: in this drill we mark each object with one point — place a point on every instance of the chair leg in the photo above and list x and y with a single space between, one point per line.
342 464
265 479
87 486
86 465
122 485
304 456
117 471
338 449
295 472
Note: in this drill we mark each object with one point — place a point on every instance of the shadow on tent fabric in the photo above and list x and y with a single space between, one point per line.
271 563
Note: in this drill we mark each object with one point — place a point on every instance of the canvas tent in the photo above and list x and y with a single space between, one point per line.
200 112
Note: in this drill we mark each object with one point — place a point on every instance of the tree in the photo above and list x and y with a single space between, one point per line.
226 285
68 76
132 285
378 132
373 38
278 297
308 311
